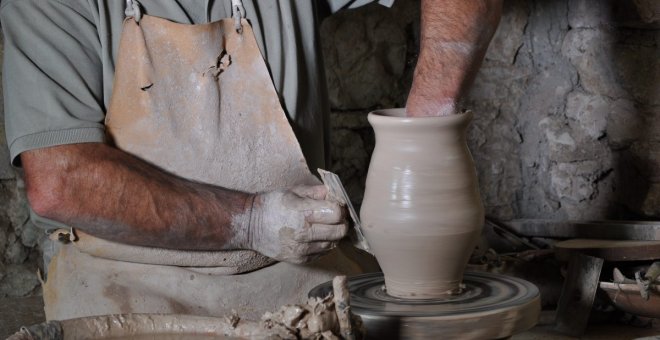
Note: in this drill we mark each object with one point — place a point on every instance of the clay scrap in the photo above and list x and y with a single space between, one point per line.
327 318
639 296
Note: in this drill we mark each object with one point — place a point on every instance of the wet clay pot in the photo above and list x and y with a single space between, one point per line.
422 213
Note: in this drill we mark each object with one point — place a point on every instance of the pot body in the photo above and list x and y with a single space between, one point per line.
421 213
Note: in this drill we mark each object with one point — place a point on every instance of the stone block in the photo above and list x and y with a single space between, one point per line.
487 94
646 158
6 170
624 124
634 59
19 281
557 135
545 31
4 233
15 252
583 188
590 112
575 181
30 234
15 203
509 36
590 51
589 13
648 10
499 182
651 204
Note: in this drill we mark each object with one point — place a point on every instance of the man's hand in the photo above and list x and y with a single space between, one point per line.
295 225
113 195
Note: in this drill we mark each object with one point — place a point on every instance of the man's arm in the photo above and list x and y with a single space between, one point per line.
111 194
454 38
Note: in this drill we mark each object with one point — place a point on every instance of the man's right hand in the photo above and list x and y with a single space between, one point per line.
116 196
296 225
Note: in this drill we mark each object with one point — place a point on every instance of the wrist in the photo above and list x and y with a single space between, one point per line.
430 107
243 224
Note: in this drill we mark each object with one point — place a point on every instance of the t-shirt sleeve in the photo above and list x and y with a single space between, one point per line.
52 75
337 5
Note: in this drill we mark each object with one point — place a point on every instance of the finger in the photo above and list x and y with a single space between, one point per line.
324 212
316 211
312 251
322 232
318 248
304 259
317 192
335 213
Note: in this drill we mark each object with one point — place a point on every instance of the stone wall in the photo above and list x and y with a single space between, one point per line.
19 252
567 114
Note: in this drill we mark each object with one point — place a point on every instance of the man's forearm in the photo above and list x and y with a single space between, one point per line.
111 194
454 38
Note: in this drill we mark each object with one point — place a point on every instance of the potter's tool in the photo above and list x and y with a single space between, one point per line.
491 306
337 192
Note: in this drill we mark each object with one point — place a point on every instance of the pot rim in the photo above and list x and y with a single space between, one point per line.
398 117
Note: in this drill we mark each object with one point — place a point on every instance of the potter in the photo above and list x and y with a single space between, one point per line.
422 212
166 127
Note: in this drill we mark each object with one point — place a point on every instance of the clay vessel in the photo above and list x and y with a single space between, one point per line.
422 213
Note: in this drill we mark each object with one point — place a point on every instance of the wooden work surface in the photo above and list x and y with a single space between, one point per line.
611 230
609 250
578 293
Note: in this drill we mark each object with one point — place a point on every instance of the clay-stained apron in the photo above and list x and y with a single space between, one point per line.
198 101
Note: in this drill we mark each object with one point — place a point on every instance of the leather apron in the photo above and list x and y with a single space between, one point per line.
197 101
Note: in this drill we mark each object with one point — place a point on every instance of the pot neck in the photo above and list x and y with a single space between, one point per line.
394 121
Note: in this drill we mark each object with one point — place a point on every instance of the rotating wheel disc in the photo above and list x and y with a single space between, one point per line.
490 306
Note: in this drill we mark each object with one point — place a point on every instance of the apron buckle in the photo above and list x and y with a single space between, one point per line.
237 12
133 10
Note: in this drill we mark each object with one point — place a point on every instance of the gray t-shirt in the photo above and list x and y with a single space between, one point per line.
59 63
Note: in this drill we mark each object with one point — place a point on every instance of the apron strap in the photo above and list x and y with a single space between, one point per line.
133 10
237 12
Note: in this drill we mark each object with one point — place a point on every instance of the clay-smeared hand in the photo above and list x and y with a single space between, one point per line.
296 225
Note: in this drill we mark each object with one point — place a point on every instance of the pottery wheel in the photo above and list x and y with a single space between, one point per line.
491 306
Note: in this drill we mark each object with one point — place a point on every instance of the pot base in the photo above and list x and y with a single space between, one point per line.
491 306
